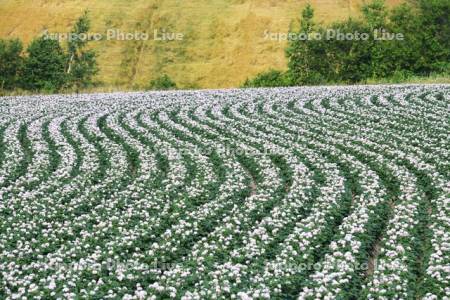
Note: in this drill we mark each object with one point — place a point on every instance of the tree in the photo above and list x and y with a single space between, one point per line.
10 63
405 55
307 21
349 60
302 69
162 83
84 69
375 16
44 66
435 25
81 64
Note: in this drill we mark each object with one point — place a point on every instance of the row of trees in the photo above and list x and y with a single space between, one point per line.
424 49
46 65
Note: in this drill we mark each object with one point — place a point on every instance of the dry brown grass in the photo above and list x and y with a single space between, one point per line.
223 42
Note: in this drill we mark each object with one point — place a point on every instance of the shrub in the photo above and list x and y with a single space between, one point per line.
271 78
163 82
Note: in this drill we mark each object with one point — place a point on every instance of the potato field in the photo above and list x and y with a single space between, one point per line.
284 193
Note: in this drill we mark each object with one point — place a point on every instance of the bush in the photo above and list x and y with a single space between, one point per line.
162 83
271 78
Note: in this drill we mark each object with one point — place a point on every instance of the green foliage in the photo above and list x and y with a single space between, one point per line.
10 63
44 66
82 25
332 60
271 78
302 70
47 67
81 64
435 25
164 82
375 13
424 49
307 21
399 57
83 70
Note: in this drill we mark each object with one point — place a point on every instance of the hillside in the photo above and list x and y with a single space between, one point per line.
223 40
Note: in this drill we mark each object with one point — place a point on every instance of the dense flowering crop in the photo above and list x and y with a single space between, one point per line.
293 193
